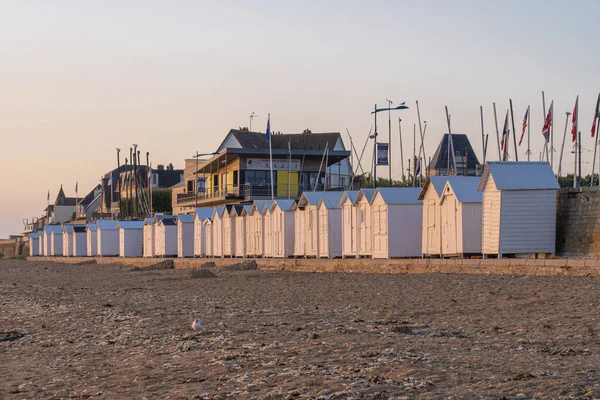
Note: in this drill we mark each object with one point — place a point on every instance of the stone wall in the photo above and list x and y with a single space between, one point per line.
9 247
578 222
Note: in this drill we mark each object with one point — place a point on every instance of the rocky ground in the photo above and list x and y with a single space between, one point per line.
103 331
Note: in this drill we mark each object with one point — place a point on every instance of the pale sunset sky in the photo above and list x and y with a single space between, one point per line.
80 78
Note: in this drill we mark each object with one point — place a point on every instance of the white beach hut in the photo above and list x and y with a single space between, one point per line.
185 235
330 226
131 238
217 232
67 240
91 240
34 244
256 228
283 220
108 237
148 234
349 248
461 214
397 217
79 241
431 244
200 216
268 231
41 243
519 208
165 236
230 214
241 230
306 235
56 240
363 222
208 237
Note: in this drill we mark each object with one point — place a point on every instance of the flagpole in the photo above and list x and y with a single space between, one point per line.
497 133
390 138
451 144
552 136
422 135
594 161
271 160
562 149
482 133
505 139
375 149
401 151
512 117
544 110
76 198
528 133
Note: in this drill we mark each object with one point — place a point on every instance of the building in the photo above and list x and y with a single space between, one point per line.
519 208
464 157
240 172
62 210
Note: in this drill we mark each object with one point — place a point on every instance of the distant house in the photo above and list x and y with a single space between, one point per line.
464 157
239 172
90 203
62 210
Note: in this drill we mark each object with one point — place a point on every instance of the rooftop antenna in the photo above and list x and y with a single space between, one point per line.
252 116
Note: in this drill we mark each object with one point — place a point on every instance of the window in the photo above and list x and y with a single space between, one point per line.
190 186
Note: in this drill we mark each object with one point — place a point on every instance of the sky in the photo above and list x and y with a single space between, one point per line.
80 79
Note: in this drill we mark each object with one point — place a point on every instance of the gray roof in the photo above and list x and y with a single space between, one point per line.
203 212
313 198
185 218
465 188
462 148
48 229
298 141
90 227
34 236
520 175
131 224
284 205
107 224
218 210
246 209
367 194
162 217
349 194
403 195
329 202
259 205
168 221
67 228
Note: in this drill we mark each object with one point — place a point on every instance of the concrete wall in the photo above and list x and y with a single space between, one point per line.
578 222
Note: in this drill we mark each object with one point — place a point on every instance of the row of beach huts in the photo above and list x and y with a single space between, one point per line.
509 210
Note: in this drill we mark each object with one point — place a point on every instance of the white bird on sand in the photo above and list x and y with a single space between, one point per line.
196 325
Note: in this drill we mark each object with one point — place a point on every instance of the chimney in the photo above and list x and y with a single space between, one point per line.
160 167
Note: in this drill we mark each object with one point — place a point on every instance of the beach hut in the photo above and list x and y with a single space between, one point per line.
431 244
519 208
306 234
185 235
461 214
200 216
241 230
34 244
330 226
217 231
67 240
257 228
283 220
349 248
165 236
397 217
41 242
230 214
55 240
79 241
363 222
108 237
208 238
131 238
148 237
91 240
268 231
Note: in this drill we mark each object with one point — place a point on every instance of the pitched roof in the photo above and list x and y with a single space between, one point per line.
67 228
247 209
367 194
168 222
34 236
259 205
90 227
297 141
520 175
131 225
218 211
313 198
203 212
79 228
331 201
284 205
161 217
185 218
465 188
48 229
349 194
462 147
437 181
107 224
399 195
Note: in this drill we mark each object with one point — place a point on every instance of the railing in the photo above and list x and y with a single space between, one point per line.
238 192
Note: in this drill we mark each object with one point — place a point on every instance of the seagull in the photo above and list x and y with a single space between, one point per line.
196 325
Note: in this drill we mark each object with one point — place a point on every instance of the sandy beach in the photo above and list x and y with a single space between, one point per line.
105 331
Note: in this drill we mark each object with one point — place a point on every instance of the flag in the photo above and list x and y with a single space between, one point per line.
525 121
574 120
596 116
268 133
418 170
504 132
547 123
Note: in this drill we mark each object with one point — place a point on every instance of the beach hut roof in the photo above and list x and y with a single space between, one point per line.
34 236
161 217
185 218
91 227
328 202
438 182
67 228
79 228
168 222
406 195
246 209
284 205
516 175
203 212
465 188
350 195
107 224
217 211
367 194
313 198
148 221
131 224
48 229
259 205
